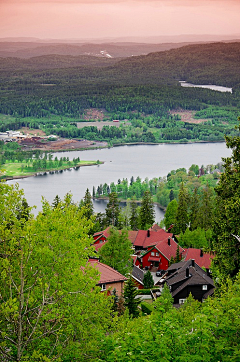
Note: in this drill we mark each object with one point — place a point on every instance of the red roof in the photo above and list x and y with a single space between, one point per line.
107 274
105 233
99 245
143 240
203 261
169 250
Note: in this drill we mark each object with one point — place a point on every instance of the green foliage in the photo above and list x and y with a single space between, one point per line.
47 289
146 308
226 221
170 214
181 219
198 238
148 281
131 301
112 210
164 303
146 212
117 251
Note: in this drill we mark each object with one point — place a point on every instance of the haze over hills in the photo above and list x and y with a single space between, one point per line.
108 48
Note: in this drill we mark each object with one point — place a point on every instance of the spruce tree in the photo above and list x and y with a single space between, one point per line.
112 210
181 221
88 204
134 217
147 213
131 301
148 281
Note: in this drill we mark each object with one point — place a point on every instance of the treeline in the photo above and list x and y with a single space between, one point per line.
164 189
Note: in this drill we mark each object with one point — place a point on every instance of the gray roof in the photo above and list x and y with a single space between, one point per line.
137 274
196 276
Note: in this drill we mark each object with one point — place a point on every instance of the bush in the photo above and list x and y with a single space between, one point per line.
146 308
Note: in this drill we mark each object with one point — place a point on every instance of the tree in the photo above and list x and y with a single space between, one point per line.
170 214
227 217
148 281
181 220
165 301
112 210
134 217
131 301
117 251
56 201
147 213
88 204
46 286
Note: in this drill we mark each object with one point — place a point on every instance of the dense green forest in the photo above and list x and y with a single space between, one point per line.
146 84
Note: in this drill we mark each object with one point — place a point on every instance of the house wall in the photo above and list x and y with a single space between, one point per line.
196 291
118 286
100 240
163 265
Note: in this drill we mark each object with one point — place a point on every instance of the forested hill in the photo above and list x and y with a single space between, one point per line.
53 61
67 85
217 63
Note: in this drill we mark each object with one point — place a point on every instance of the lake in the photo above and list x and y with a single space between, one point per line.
210 86
119 162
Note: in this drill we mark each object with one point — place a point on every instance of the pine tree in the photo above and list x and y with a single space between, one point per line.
56 202
194 210
112 210
181 221
147 213
134 218
131 301
170 214
88 205
148 281
177 259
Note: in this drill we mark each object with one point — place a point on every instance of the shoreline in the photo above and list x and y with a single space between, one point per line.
41 173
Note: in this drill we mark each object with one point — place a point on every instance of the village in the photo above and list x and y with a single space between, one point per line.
157 251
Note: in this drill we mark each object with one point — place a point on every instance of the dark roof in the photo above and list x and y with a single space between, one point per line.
196 276
138 274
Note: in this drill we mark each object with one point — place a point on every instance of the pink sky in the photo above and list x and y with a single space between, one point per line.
117 18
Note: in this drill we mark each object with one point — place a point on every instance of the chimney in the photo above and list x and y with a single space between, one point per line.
148 233
193 263
187 272
201 253
169 241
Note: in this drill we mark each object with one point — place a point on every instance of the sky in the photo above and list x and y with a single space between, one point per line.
90 19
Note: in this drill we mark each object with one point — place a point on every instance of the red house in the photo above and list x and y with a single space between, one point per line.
158 256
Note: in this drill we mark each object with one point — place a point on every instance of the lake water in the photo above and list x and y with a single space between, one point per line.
210 86
119 162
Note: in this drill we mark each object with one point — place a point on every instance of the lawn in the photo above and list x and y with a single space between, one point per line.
14 169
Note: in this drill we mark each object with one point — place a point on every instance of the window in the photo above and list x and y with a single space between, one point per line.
103 286
157 254
182 301
204 287
152 253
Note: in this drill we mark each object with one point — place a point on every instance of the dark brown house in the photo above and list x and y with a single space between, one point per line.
187 277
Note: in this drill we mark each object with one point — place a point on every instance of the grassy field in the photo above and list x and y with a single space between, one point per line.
18 169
